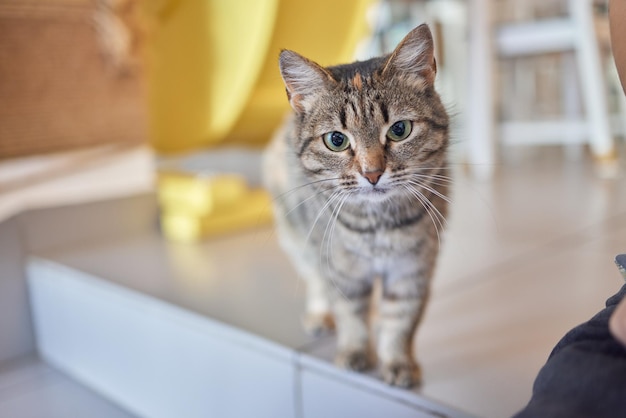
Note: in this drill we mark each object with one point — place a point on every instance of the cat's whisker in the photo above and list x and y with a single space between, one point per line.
328 223
334 225
429 179
430 209
443 221
311 197
332 222
420 199
417 171
285 195
333 196
430 189
336 194
433 216
466 183
440 177
421 167
295 189
333 231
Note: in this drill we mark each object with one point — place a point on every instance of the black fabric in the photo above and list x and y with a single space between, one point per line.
585 375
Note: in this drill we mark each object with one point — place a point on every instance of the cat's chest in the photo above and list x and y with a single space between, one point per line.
380 234
360 229
380 221
380 241
381 252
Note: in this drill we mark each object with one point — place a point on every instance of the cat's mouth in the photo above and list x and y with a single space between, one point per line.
375 193
380 191
377 190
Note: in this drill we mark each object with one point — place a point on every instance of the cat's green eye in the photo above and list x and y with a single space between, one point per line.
399 130
336 141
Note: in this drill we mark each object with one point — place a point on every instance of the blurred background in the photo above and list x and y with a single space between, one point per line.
134 128
172 78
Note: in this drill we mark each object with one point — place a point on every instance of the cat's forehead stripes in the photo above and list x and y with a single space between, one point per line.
357 81
383 110
366 107
342 118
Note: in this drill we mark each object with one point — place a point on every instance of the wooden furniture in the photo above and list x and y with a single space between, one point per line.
575 32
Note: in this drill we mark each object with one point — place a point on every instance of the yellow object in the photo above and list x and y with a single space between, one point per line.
213 64
194 207
252 211
212 73
197 195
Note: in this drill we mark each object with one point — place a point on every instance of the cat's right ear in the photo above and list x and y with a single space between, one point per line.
303 78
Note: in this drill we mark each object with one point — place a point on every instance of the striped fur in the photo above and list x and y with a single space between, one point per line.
343 232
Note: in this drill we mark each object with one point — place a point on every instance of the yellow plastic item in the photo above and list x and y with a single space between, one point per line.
326 31
194 207
253 210
198 195
213 64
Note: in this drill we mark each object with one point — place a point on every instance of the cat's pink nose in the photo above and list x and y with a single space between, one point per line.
373 176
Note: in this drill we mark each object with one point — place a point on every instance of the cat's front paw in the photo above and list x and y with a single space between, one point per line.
318 324
357 360
403 374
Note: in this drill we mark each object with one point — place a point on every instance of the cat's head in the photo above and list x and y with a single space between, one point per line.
369 125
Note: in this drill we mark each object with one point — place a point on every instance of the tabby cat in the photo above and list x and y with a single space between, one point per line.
359 176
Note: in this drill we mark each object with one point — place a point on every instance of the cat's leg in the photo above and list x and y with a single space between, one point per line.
318 318
351 317
399 313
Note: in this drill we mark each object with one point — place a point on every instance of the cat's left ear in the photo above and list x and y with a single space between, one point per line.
414 56
303 79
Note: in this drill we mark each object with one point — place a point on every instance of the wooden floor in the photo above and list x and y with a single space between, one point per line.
527 256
